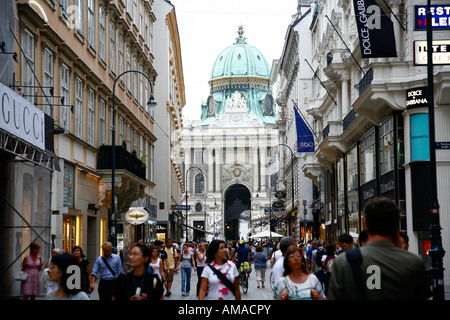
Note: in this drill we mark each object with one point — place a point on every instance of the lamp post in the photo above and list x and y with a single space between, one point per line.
151 103
186 196
436 251
270 208
292 175
215 205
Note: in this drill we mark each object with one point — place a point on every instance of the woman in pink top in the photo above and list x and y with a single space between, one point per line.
32 264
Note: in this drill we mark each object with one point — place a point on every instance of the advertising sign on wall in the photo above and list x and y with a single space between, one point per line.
21 118
440 17
420 137
441 52
375 30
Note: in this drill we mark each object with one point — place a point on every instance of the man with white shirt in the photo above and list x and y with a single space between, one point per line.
278 268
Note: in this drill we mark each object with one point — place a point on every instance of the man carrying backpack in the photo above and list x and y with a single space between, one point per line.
316 261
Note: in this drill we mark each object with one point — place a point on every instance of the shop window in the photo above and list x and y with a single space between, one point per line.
386 145
368 158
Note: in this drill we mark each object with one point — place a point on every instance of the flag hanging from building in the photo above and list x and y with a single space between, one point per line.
305 137
375 30
184 198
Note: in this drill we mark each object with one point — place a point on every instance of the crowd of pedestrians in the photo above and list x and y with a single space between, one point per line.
378 266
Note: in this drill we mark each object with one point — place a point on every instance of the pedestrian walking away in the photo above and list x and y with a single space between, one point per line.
220 279
260 259
109 265
395 274
139 284
187 262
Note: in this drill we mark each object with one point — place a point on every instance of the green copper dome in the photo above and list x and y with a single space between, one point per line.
240 59
240 88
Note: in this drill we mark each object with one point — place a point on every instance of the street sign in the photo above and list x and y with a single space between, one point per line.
180 207
440 17
443 145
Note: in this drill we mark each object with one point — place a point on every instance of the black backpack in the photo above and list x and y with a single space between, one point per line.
319 254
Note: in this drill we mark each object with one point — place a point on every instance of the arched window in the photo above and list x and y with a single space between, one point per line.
199 184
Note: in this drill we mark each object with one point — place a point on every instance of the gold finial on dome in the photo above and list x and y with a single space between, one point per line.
240 32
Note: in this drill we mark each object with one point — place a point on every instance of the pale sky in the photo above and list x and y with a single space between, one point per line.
207 27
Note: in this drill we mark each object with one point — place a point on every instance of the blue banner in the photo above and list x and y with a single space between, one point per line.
440 17
305 137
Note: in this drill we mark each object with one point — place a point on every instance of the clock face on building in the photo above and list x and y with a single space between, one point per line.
268 103
211 106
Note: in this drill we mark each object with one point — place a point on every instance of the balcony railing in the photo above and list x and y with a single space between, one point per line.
124 160
326 132
365 81
349 118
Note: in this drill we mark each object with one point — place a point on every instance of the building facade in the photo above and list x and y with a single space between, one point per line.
170 94
80 52
366 126
230 169
294 93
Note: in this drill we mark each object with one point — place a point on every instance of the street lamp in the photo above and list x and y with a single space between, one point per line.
151 103
186 196
292 175
436 251
270 208
215 205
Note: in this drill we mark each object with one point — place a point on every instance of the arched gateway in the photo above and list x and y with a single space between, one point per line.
237 206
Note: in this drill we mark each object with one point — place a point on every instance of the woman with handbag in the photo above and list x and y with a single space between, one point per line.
31 264
220 278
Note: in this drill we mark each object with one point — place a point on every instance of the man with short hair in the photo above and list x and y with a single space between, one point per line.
110 268
345 242
278 268
171 264
379 270
311 248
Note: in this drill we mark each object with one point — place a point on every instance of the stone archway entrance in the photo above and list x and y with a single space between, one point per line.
237 206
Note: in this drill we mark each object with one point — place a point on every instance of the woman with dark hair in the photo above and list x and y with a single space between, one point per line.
296 283
85 267
139 284
32 264
327 262
63 271
220 278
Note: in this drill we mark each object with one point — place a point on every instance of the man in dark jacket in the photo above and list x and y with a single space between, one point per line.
386 272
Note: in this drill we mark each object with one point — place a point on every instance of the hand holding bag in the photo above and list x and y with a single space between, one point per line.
21 276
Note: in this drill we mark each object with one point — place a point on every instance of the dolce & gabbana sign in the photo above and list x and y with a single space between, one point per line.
21 118
416 97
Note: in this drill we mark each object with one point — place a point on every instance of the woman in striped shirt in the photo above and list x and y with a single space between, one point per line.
296 283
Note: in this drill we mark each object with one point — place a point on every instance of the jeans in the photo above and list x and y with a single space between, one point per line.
186 279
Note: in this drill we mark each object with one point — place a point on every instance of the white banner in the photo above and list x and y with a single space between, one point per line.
21 118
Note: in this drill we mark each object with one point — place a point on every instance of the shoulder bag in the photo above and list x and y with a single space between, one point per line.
354 257
224 279
107 265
